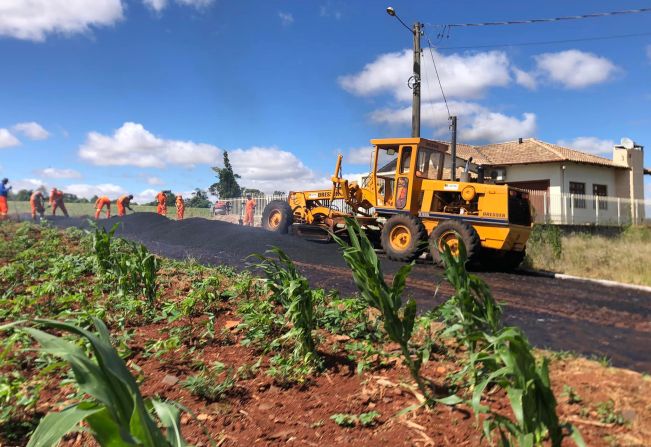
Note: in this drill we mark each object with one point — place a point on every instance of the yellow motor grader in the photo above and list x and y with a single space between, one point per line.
404 202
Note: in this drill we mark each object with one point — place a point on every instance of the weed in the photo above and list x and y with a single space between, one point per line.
570 395
209 384
351 420
607 413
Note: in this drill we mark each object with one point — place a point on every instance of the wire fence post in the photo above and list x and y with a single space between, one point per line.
545 216
572 208
619 213
596 209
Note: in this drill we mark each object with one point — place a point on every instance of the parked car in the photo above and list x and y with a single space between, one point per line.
221 208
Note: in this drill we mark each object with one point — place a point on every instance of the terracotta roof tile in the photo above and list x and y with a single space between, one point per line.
530 150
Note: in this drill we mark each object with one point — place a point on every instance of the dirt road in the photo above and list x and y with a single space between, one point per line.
563 315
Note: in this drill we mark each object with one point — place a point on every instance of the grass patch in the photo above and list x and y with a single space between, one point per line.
622 258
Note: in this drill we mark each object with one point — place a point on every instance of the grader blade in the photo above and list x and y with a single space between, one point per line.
311 232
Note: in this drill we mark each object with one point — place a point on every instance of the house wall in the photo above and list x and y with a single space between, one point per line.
563 210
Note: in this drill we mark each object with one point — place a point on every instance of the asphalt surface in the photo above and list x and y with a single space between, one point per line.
560 314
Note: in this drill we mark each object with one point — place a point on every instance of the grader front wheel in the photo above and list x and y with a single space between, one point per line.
453 233
277 216
402 237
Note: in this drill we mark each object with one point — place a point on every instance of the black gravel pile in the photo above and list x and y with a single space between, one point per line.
217 240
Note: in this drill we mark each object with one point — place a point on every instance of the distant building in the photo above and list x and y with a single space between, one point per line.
567 185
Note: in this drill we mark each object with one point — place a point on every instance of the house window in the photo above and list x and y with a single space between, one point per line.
601 191
578 189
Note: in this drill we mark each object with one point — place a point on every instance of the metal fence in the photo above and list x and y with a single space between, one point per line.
556 208
586 209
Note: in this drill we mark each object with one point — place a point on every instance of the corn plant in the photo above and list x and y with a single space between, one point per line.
291 290
115 411
398 319
500 356
102 246
472 309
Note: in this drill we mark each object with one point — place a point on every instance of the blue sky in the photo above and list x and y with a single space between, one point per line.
142 95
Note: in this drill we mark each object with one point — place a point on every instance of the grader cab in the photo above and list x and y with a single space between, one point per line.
407 206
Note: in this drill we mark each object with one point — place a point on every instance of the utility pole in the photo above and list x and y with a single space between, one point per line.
453 149
414 80
415 106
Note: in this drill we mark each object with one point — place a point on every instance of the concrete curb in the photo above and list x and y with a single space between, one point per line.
603 282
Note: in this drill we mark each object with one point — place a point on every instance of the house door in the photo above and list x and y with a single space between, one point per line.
539 192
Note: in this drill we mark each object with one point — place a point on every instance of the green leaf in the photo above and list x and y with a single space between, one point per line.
169 416
451 400
408 319
56 425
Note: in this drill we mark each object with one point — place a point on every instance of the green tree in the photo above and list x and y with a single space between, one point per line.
279 193
254 192
226 186
22 195
199 199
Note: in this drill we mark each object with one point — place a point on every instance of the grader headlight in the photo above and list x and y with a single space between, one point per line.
468 193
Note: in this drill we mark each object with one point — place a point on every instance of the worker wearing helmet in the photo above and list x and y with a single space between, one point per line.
100 203
161 198
180 207
36 203
124 202
56 201
4 192
249 210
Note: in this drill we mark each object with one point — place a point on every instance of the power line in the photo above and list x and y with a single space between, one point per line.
545 42
429 44
553 19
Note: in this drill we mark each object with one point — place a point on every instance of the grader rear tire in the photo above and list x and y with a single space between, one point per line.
403 237
450 233
277 216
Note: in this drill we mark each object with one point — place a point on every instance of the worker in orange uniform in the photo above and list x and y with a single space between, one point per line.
180 207
100 203
36 202
124 202
249 210
56 201
4 192
161 197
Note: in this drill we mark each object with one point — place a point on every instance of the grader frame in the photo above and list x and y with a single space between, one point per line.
405 201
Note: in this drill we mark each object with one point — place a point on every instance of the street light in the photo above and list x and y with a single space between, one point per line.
392 13
415 79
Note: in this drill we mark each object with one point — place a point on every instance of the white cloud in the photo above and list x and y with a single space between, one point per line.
133 145
476 123
359 156
270 169
145 196
432 113
575 69
495 127
27 183
35 19
462 75
154 181
32 130
87 191
592 145
329 10
7 139
59 173
286 18
159 5
525 79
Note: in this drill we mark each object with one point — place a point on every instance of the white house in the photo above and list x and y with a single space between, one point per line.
568 186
